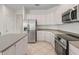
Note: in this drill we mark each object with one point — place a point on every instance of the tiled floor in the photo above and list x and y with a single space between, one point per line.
40 48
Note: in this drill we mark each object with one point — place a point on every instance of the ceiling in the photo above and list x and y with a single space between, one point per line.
31 6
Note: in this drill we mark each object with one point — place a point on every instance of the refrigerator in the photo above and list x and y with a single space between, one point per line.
32 31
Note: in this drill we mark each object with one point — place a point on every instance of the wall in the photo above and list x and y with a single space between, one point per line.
1 19
7 20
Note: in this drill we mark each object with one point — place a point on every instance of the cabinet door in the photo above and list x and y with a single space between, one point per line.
25 44
21 47
10 51
45 36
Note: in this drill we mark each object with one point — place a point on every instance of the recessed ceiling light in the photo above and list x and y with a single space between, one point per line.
37 4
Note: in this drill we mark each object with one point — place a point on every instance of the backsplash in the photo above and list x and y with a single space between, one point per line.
72 27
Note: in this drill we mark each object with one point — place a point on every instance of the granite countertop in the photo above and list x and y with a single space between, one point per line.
10 39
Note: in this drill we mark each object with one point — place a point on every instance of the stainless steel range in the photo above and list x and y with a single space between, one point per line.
61 46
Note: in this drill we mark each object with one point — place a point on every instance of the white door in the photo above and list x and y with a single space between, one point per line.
19 23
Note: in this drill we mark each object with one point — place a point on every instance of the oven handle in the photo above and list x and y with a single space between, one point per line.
61 44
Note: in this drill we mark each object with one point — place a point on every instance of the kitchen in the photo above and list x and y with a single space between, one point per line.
39 29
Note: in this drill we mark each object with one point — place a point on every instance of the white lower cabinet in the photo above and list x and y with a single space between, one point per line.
21 47
10 51
73 50
46 36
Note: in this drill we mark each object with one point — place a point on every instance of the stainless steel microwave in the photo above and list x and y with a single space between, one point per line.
71 15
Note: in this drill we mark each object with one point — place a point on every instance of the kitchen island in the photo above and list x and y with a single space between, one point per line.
10 43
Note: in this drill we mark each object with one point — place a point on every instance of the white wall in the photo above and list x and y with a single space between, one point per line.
7 20
1 19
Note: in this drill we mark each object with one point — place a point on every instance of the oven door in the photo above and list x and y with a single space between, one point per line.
60 48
